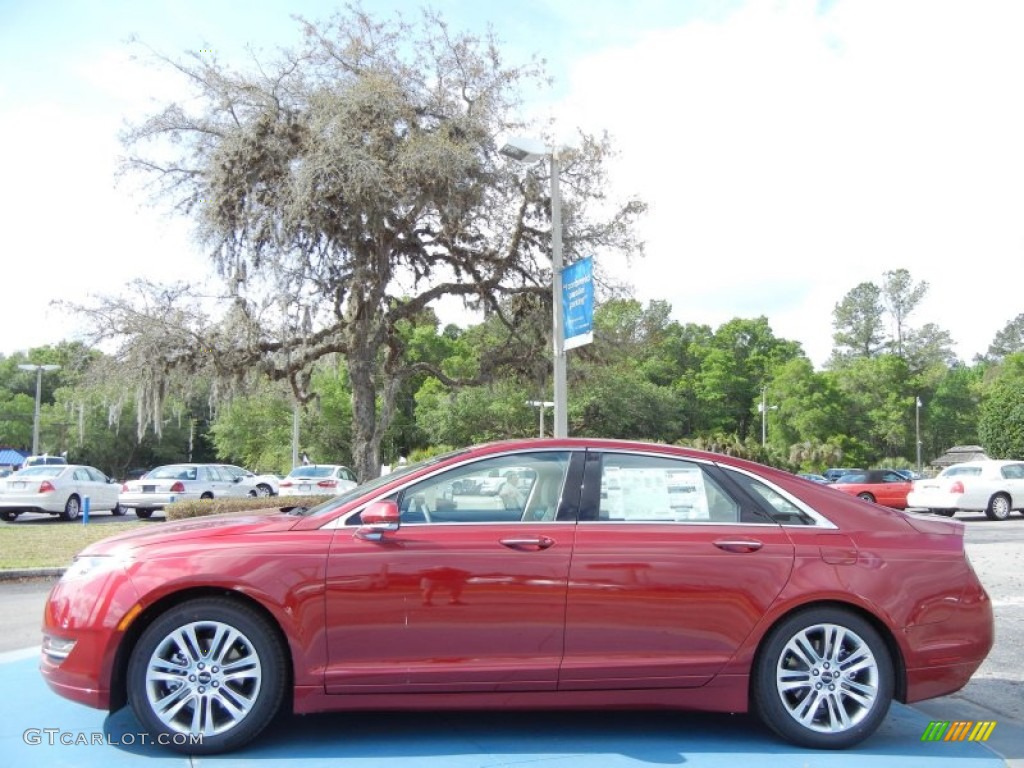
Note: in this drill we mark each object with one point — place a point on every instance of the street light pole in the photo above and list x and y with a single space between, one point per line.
763 407
917 426
39 390
541 405
530 151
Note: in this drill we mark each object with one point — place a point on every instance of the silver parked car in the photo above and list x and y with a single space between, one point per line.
58 489
993 487
178 482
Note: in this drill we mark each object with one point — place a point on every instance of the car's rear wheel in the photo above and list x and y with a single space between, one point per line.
72 508
209 668
144 514
998 507
206 495
823 679
118 510
866 496
9 517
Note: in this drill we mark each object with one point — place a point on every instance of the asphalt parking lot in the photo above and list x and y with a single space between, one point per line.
40 728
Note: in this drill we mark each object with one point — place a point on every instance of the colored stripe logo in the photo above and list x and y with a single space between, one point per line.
958 730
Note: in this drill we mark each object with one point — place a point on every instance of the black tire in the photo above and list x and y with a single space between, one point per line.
8 516
206 495
254 691
72 508
998 507
943 512
144 514
118 511
264 490
866 496
779 706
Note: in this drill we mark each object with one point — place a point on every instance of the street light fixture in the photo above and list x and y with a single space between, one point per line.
525 150
763 407
541 405
39 388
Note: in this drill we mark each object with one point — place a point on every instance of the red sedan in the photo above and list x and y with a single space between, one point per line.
623 575
882 486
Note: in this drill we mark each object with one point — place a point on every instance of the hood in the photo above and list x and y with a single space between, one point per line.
229 523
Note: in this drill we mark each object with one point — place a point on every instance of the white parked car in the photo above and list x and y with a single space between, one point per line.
314 479
58 489
256 485
993 487
178 482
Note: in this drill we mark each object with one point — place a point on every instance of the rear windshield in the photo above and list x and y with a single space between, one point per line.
311 472
175 472
41 471
954 471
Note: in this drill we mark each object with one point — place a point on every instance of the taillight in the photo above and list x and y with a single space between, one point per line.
46 487
328 484
957 487
178 487
286 483
124 488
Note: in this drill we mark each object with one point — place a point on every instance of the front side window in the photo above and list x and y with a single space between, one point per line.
523 487
637 488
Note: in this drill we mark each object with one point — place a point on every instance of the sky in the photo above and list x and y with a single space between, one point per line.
788 151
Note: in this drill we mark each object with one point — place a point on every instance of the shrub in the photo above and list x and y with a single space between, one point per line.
181 510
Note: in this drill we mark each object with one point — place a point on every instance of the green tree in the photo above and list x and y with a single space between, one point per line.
1001 426
901 296
858 324
1009 340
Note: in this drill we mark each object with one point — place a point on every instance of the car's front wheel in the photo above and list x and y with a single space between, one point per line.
209 674
866 496
264 490
998 507
118 511
823 679
9 517
943 512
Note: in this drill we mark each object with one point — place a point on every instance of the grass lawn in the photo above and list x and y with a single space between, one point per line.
51 545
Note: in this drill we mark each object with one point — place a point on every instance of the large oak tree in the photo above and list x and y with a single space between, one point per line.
341 188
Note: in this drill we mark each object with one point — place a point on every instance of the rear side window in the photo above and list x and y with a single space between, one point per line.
962 472
1014 471
637 488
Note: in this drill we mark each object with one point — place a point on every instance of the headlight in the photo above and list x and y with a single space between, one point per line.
90 565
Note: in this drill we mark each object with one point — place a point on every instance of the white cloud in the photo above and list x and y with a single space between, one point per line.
789 155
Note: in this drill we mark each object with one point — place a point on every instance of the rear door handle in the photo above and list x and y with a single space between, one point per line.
537 542
739 545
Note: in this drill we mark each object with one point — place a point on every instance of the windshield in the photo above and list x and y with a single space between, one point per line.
370 486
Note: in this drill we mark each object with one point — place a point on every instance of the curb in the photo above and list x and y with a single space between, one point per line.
13 574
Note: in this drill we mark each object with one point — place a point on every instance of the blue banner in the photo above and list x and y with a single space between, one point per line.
578 303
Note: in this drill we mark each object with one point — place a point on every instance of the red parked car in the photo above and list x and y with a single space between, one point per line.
882 486
624 575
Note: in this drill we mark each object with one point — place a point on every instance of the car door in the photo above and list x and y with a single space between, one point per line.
104 494
892 491
466 594
671 570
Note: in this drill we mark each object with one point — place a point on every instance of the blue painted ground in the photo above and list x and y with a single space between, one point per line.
83 737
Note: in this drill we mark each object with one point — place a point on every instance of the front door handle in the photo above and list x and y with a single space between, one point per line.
739 545
536 542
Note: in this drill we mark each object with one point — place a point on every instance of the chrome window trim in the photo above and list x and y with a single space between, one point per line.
820 521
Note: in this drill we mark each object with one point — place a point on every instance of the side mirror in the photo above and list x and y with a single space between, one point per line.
378 518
